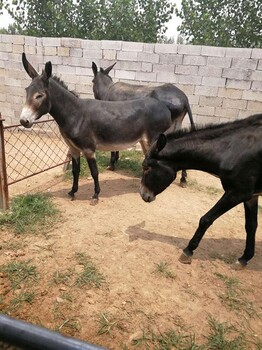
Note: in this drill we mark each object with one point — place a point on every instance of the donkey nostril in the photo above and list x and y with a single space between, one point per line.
24 122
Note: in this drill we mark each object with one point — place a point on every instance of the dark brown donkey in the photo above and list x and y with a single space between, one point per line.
105 89
88 124
231 151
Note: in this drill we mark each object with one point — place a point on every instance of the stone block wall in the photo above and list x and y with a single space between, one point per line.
221 83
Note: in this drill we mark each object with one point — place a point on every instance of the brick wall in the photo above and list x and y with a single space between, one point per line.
221 83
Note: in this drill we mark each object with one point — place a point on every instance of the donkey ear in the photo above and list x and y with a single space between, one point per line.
161 142
108 69
94 68
28 67
48 70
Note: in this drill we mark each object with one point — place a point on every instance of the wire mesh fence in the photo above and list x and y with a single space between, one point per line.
28 152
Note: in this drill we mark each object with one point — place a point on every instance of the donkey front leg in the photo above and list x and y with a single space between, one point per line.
94 173
228 201
75 172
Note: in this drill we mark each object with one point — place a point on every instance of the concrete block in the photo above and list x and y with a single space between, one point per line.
195 60
92 54
13 65
186 70
238 52
70 78
163 68
4 56
254 106
166 48
84 71
6 47
145 76
244 63
63 51
30 50
30 41
91 44
111 45
147 57
210 101
18 48
223 62
256 85
146 67
120 74
166 77
202 119
187 89
256 75
236 104
129 65
18 39
259 66
252 95
256 53
55 60
238 84
237 74
210 71
76 61
228 113
132 46
76 52
193 99
149 47
50 50
188 79
52 42
170 59
244 114
206 90
109 54
203 110
214 81
230 93
70 42
191 50
66 69
213 51
126 56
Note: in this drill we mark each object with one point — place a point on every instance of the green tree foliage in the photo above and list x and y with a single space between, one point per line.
130 20
230 23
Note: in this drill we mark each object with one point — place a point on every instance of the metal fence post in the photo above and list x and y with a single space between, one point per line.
4 199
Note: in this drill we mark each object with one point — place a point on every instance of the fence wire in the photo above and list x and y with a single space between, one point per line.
32 151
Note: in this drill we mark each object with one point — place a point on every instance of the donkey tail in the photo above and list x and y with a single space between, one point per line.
190 115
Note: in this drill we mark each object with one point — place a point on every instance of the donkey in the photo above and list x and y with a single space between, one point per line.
88 124
105 89
231 151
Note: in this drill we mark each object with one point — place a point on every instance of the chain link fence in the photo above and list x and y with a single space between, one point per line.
28 152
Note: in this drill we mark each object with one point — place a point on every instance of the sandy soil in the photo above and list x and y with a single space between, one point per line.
127 239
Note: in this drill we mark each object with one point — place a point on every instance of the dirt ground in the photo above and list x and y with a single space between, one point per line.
127 239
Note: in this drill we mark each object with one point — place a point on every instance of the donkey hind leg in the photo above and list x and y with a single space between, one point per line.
225 203
94 173
113 159
251 209
177 126
75 173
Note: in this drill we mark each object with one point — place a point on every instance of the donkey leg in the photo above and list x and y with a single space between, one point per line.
183 181
94 172
226 202
75 172
251 209
113 159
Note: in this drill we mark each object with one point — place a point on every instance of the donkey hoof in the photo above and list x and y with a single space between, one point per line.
239 265
94 201
71 195
111 168
185 259
182 184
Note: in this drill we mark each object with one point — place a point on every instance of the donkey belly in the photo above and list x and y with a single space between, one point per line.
117 145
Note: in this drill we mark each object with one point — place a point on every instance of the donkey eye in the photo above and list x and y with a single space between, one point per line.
38 96
146 169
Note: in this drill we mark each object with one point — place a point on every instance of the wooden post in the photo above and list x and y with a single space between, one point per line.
4 199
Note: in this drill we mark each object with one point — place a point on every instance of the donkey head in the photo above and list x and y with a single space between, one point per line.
37 96
101 81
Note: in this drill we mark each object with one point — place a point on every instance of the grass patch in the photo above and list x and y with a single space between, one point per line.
20 272
90 274
233 298
129 162
163 269
29 213
106 323
224 337
63 277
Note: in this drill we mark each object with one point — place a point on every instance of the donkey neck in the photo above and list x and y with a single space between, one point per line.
193 153
64 104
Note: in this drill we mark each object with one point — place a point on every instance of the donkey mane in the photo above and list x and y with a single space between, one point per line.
214 130
62 83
